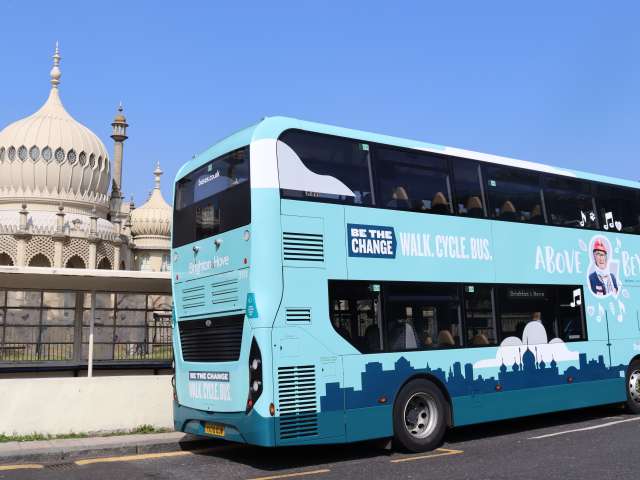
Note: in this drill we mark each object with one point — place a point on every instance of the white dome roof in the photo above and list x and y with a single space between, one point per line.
154 217
50 156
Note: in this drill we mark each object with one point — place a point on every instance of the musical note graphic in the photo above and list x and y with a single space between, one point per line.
591 310
592 216
622 308
583 219
618 245
608 221
612 307
600 313
582 245
625 293
577 298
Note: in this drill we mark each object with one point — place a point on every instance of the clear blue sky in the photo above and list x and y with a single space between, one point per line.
549 81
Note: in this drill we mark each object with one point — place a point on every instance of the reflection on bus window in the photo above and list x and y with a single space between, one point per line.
619 209
422 316
412 181
480 322
569 203
514 195
355 314
466 182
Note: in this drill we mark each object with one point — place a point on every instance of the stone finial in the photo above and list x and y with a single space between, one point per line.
55 71
93 229
23 217
60 219
157 173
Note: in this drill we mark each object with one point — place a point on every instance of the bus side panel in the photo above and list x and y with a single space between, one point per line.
303 368
469 410
307 351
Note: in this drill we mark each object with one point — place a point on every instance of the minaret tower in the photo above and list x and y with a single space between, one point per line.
119 135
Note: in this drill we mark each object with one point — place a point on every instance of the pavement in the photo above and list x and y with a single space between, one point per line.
68 449
596 443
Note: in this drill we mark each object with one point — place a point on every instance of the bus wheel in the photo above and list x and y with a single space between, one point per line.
419 416
633 387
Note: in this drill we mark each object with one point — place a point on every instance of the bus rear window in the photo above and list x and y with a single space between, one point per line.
213 199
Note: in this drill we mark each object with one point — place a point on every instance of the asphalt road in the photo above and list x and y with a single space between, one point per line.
597 443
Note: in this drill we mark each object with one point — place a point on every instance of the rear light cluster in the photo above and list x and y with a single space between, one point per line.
173 380
255 375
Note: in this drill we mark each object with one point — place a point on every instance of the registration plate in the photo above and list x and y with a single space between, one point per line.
213 429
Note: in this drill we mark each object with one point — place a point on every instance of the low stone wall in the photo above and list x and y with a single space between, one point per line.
64 405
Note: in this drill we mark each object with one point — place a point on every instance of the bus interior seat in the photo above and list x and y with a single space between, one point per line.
403 337
399 198
536 215
474 207
446 339
479 339
439 203
372 338
508 211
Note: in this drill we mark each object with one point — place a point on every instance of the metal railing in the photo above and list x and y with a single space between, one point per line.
43 326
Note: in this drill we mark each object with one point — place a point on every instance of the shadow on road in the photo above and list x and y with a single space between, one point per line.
286 458
518 425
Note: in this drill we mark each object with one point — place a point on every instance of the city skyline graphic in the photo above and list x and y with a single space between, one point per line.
528 373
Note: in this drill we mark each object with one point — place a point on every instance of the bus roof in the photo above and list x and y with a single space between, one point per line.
272 127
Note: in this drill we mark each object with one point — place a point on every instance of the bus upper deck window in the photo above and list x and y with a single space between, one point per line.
412 181
343 159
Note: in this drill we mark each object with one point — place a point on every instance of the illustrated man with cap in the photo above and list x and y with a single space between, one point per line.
601 280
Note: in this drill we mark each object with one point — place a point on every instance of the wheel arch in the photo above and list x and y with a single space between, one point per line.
438 383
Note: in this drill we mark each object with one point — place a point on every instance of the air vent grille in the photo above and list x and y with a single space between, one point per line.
297 402
211 340
298 315
224 291
305 247
192 297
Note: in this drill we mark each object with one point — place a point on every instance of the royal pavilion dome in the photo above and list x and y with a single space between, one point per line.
49 157
151 223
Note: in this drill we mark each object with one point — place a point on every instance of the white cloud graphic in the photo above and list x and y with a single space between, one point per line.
535 338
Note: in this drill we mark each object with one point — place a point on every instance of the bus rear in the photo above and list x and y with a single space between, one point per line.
220 347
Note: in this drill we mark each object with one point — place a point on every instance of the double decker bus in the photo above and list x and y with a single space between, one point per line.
334 285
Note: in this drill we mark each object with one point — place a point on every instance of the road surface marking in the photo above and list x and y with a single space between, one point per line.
593 427
26 466
443 452
292 475
133 458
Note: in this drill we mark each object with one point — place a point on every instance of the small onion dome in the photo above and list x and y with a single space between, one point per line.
49 155
154 217
120 118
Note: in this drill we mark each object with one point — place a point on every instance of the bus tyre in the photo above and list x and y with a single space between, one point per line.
419 416
633 387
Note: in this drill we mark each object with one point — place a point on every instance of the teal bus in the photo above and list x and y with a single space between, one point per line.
333 285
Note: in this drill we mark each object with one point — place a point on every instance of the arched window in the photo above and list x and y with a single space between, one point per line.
39 260
75 262
104 264
5 259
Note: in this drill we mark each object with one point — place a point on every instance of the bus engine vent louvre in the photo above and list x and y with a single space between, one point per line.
297 402
303 247
192 297
225 291
211 340
298 315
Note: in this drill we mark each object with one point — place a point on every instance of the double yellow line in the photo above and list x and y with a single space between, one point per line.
440 452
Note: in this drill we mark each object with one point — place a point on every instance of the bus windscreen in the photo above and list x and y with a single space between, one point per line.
213 199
